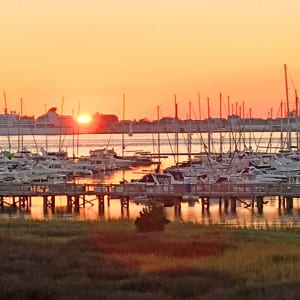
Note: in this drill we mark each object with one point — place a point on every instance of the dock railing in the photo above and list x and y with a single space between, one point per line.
177 190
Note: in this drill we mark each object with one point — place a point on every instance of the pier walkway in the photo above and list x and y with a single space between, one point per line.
19 195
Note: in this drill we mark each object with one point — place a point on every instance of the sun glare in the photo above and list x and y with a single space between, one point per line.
84 119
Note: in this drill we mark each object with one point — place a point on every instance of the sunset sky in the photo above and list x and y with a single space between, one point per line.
92 52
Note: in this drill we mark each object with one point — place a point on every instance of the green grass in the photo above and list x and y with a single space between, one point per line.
63 259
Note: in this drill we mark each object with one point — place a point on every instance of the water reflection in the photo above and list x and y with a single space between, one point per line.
184 212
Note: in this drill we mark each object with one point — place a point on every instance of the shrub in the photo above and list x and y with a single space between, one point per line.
152 218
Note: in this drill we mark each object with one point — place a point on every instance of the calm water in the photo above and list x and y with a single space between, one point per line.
271 216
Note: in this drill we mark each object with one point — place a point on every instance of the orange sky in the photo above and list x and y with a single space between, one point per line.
92 52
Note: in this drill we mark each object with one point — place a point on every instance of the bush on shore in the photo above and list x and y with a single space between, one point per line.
152 218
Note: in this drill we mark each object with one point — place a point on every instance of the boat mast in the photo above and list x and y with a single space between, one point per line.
123 117
20 135
46 136
208 127
250 129
230 129
158 137
221 142
7 119
176 130
281 126
73 135
243 124
77 144
190 134
236 128
61 124
199 112
289 143
19 129
297 116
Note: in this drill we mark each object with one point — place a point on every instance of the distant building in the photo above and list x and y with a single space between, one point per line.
14 120
27 121
9 120
52 119
102 121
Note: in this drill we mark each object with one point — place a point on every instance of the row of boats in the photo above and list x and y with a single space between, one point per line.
232 167
237 167
56 167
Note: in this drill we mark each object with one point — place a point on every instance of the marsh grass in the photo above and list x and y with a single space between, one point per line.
110 260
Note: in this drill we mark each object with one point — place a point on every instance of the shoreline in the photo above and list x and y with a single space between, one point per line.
80 260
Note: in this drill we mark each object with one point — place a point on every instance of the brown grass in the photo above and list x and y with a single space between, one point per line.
156 244
158 252
110 260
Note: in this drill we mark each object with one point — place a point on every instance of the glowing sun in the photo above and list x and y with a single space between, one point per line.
84 119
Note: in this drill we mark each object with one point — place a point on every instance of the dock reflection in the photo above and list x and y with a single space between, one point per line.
231 213
271 215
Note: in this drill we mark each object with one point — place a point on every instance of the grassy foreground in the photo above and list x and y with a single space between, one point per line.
110 260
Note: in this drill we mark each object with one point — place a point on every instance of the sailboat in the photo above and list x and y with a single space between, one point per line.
8 125
137 159
289 138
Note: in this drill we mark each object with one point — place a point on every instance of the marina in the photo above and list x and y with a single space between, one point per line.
150 150
218 197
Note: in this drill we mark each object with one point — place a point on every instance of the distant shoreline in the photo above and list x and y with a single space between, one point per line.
165 125
137 129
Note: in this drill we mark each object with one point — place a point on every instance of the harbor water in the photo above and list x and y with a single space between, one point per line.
166 145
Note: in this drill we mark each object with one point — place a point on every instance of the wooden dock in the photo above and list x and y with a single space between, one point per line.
77 195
